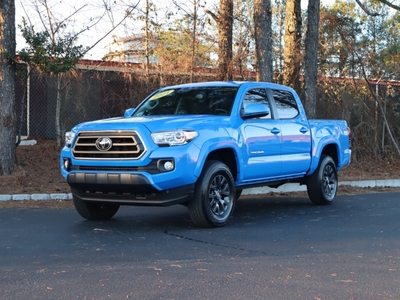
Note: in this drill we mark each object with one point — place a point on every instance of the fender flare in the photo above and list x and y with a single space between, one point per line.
219 144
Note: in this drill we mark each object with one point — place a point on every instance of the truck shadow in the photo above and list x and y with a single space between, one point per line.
177 217
268 208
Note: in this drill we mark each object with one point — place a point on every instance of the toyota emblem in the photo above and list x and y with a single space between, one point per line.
103 144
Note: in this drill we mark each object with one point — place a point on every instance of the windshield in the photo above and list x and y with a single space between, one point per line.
192 100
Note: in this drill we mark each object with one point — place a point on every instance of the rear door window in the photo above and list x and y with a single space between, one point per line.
285 104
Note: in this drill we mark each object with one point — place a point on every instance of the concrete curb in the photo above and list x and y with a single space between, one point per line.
294 187
286 188
36 197
373 183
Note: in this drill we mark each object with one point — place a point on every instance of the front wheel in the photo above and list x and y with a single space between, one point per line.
214 196
95 211
322 185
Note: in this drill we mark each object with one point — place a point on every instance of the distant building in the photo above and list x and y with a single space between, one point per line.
130 49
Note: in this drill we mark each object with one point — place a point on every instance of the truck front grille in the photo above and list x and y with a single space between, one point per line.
108 145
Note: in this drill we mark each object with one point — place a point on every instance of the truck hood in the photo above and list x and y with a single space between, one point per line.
156 123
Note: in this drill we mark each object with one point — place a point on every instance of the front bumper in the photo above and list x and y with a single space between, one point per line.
141 180
125 189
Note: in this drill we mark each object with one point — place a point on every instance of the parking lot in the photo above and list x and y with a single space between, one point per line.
275 247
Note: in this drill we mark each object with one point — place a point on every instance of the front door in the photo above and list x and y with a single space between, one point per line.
262 142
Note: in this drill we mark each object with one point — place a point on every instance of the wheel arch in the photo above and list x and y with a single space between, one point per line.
327 150
226 155
332 151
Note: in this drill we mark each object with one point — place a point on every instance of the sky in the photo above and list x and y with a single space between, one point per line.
89 10
87 13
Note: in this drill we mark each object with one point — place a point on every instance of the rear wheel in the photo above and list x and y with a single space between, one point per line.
214 196
95 211
322 185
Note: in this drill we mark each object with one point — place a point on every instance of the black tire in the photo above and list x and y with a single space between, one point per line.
214 196
322 185
95 211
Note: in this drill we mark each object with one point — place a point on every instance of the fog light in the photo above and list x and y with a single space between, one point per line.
168 165
67 164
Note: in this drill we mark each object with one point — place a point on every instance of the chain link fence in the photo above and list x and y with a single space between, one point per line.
91 91
96 90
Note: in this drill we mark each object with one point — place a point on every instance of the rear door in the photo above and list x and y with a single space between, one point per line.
296 135
262 138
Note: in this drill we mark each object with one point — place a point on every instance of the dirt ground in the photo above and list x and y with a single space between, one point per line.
37 172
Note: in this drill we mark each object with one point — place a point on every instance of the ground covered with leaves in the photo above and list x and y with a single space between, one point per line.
37 171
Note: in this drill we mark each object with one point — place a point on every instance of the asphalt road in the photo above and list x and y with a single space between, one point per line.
274 248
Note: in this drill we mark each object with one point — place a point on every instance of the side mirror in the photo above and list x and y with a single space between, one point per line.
129 112
255 110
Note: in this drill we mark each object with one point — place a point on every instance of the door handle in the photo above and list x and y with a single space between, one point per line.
303 129
275 130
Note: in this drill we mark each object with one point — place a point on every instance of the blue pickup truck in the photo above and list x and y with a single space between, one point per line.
200 145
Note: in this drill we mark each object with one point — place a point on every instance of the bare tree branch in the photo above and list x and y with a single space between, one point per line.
90 26
127 14
25 12
391 5
52 25
380 107
181 7
69 17
366 9
214 16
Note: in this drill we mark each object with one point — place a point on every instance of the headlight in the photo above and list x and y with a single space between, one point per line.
69 136
173 138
